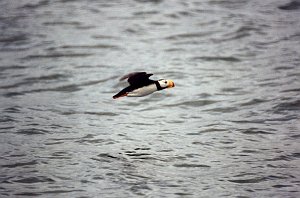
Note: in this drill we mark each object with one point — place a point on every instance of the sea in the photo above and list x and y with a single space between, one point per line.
229 128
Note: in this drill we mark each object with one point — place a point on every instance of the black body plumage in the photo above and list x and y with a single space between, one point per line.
136 80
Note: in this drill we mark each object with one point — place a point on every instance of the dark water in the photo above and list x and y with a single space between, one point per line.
230 127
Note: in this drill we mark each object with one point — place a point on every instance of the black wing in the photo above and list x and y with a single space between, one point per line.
138 78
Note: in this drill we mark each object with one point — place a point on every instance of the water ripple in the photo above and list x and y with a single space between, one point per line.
188 35
30 180
33 131
39 4
195 103
97 46
288 106
191 166
254 131
216 58
228 129
58 55
20 164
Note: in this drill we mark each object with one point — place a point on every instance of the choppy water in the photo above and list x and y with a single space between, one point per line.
230 127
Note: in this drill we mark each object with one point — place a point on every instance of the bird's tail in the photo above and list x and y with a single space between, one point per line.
120 94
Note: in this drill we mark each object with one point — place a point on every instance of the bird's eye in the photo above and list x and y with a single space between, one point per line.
165 82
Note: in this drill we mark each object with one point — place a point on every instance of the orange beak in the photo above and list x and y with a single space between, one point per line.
171 84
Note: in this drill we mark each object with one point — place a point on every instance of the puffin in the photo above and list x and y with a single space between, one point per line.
140 85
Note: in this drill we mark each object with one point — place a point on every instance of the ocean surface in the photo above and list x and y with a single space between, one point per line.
230 127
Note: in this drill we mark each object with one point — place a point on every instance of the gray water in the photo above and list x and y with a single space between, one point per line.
230 127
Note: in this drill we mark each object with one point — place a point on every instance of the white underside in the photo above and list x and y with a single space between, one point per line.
143 91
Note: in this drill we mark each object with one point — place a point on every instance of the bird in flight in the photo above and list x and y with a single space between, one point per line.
141 85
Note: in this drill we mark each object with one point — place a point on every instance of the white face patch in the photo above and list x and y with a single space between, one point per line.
163 83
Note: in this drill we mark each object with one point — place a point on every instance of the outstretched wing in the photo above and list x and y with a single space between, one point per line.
138 78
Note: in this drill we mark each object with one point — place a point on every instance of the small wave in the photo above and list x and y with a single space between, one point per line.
188 35
194 103
12 67
282 186
155 23
230 89
103 37
149 1
183 194
28 194
30 180
13 38
142 124
58 55
92 140
259 179
247 181
106 157
137 154
291 90
292 37
97 46
254 131
58 191
216 58
20 164
102 113
295 155
14 85
253 102
62 23
174 50
32 131
257 121
230 4
295 136
145 13
191 166
209 130
47 77
33 80
14 109
288 106
35 5
180 14
12 94
240 33
63 88
5 129
283 68
143 149
287 157
223 109
85 27
250 151
59 155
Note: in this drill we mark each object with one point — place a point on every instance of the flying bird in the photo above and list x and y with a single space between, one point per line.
141 85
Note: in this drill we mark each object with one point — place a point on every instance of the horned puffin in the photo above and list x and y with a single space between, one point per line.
141 85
